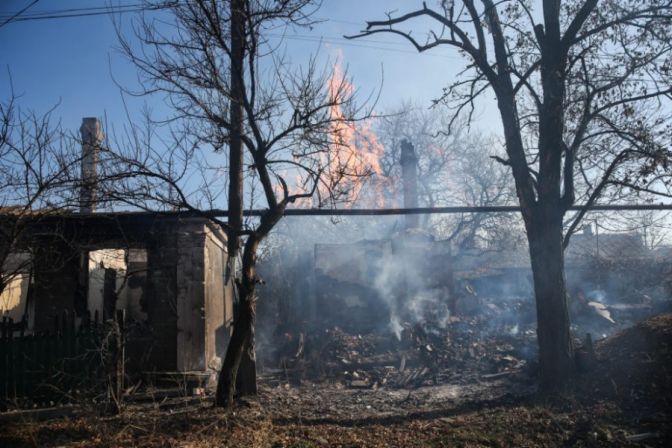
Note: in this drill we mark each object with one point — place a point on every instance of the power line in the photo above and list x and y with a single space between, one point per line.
15 16
346 22
103 9
83 12
348 43
77 10
138 7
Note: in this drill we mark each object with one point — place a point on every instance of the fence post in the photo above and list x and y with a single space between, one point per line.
10 392
4 377
21 358
117 364
70 363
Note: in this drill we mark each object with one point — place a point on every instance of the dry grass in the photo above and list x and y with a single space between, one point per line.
498 413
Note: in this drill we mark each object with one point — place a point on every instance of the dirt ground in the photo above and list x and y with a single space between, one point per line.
624 400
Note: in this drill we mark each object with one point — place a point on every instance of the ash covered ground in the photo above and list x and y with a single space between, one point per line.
622 400
379 362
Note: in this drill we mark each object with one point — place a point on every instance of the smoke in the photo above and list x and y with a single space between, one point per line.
413 280
597 295
399 279
386 284
363 275
395 325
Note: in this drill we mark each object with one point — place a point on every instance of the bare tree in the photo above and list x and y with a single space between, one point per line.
39 171
577 82
229 85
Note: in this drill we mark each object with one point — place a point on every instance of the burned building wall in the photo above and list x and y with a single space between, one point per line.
106 289
204 300
135 298
190 289
218 295
57 285
162 301
155 267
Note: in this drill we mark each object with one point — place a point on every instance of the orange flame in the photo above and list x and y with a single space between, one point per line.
355 153
352 160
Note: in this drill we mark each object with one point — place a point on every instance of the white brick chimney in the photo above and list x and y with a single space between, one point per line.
409 175
92 139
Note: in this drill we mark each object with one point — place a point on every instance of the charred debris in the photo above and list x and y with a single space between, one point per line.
408 310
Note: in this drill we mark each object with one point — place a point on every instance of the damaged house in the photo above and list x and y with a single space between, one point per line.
367 286
168 272
378 284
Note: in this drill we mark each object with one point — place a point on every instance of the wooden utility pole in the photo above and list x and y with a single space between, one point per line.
235 133
239 371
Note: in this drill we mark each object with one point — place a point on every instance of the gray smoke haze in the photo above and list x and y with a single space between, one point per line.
401 281
372 276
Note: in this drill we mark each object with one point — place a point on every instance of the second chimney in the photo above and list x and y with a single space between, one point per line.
92 138
409 175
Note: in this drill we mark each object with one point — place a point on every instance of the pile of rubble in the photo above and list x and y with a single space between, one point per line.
633 366
492 340
425 354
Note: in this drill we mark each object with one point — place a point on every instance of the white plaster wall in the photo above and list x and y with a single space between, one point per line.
13 297
99 260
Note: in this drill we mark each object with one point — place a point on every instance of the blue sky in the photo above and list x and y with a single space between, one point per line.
73 61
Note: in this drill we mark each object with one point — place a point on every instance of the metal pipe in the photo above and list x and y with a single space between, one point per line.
218 213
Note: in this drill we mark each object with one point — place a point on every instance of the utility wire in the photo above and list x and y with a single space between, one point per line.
347 43
15 16
138 7
79 10
82 12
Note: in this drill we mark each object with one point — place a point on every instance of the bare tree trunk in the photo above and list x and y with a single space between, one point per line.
246 380
226 389
543 222
242 339
556 354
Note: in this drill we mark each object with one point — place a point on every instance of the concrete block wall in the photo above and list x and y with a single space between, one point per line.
218 296
162 311
191 313
201 295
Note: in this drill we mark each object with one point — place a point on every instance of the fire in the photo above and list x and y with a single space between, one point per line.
352 160
355 153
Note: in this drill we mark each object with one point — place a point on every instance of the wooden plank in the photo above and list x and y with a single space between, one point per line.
30 366
46 355
3 363
20 360
42 365
10 370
